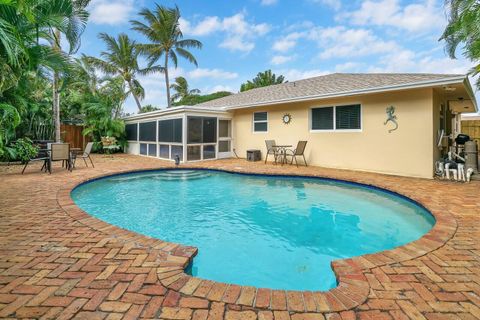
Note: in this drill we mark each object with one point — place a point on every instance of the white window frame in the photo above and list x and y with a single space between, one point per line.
310 121
226 154
259 121
138 130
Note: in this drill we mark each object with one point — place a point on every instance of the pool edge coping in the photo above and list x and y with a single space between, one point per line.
353 286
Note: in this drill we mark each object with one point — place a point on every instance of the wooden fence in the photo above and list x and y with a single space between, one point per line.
73 134
472 128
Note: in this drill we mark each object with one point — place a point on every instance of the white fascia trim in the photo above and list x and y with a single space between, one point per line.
174 110
470 92
421 84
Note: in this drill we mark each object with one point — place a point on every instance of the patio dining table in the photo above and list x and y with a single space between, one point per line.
282 150
48 158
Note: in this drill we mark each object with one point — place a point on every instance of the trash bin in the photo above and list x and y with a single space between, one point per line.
254 155
471 155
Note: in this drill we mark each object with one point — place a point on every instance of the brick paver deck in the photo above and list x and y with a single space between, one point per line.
56 262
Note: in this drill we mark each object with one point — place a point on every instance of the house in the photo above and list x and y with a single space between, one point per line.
343 117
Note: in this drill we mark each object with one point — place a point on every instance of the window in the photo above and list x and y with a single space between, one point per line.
147 131
209 152
165 151
143 149
131 131
194 130
260 122
347 117
224 128
202 130
177 151
170 130
152 150
336 118
224 146
194 153
209 130
322 118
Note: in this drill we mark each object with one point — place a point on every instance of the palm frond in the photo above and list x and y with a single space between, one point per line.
187 55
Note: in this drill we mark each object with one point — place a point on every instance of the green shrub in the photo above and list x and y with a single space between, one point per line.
24 150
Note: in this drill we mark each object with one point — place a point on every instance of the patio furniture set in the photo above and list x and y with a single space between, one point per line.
61 152
282 152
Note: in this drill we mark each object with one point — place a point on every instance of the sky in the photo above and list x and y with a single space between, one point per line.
294 38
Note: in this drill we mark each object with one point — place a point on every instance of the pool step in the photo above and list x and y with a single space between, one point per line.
180 175
167 175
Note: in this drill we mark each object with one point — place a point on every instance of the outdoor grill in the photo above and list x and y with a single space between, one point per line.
462 138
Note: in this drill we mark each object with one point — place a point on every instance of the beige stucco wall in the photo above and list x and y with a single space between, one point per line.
407 151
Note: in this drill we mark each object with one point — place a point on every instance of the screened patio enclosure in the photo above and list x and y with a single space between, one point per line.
189 133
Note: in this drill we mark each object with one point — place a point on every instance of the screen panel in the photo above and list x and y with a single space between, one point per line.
131 130
148 131
209 130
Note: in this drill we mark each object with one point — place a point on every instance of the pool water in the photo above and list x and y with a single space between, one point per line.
263 231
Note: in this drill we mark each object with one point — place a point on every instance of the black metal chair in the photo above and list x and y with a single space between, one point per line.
271 150
297 152
42 155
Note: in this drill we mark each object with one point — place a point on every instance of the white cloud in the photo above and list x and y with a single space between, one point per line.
296 74
344 42
205 27
288 42
276 60
337 41
334 4
239 33
110 12
349 67
417 17
237 43
409 61
268 2
155 91
218 88
211 73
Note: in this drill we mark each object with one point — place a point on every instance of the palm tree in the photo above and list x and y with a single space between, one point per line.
121 59
464 28
73 26
182 89
263 79
162 29
25 27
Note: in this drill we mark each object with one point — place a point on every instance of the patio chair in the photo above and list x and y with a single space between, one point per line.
42 155
297 152
86 154
271 150
61 152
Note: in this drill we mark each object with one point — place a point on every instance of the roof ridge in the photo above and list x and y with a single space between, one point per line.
333 83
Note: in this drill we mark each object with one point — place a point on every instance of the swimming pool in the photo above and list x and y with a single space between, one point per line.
264 231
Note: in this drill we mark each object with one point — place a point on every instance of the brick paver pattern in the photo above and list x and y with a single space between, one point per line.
56 262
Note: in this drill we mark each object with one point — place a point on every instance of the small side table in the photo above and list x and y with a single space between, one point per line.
108 149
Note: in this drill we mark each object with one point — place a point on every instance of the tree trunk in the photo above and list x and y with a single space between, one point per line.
167 82
132 90
56 108
56 94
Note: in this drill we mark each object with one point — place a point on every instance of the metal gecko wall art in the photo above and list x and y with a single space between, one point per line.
391 117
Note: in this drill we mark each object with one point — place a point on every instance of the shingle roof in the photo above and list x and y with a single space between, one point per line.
327 85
